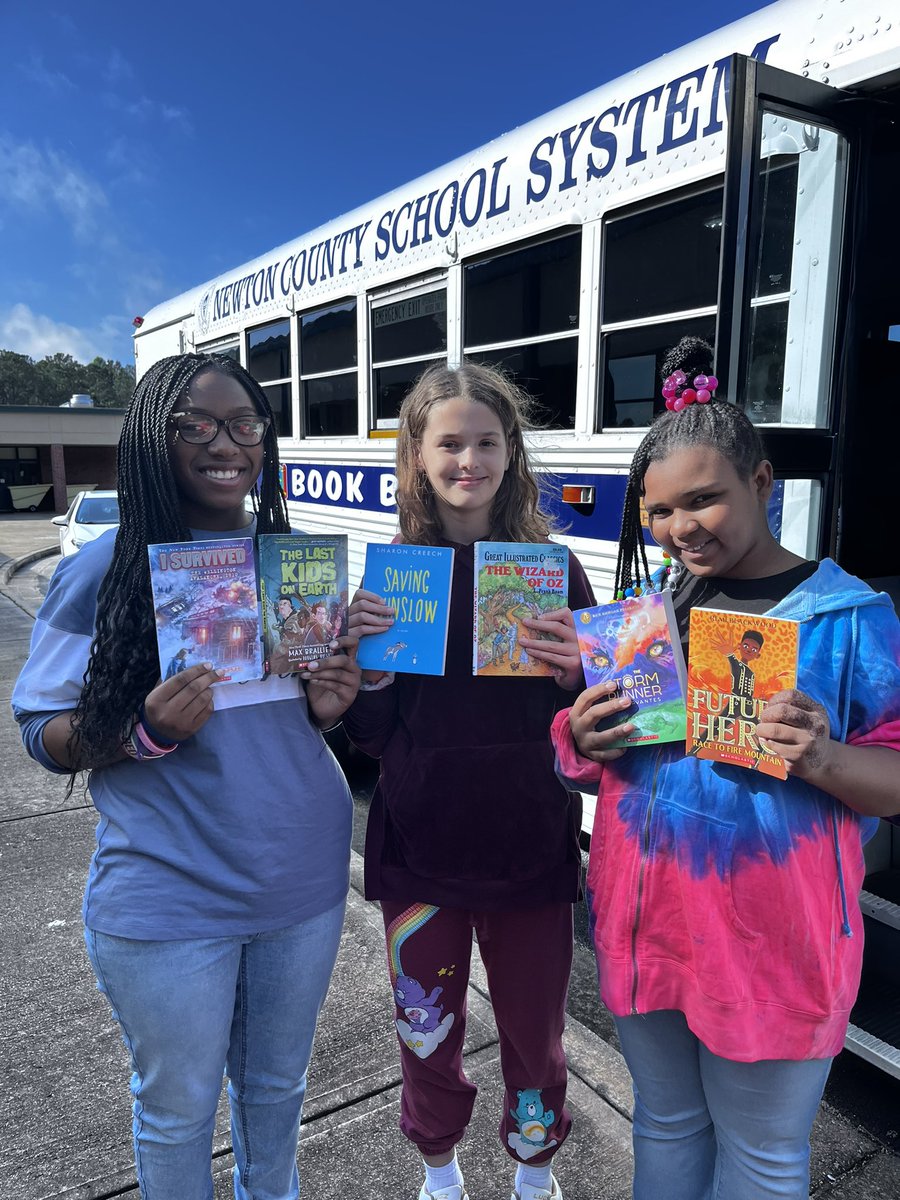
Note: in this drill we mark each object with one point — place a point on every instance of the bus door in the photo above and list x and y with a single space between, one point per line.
808 343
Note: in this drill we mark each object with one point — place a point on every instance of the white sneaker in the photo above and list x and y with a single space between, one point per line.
456 1191
530 1192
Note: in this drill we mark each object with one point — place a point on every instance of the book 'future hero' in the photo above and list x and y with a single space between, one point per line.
635 642
736 662
415 581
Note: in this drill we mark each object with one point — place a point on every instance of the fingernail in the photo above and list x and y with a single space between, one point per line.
208 666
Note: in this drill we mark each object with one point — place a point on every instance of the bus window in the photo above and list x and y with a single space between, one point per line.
223 349
658 263
800 516
521 313
328 372
793 285
269 362
632 356
408 332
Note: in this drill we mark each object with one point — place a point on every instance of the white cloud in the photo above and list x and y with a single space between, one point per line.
38 72
27 332
117 67
33 180
146 109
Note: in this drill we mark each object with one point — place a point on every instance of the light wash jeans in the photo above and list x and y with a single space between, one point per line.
189 1010
707 1128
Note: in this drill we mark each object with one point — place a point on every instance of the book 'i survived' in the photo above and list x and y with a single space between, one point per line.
206 607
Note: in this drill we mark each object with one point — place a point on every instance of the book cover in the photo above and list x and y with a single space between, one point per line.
206 607
736 662
635 642
416 582
303 596
514 580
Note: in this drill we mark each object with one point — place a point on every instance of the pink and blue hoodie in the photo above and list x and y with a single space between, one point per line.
731 896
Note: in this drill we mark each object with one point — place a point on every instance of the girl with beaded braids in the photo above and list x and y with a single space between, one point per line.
215 896
724 903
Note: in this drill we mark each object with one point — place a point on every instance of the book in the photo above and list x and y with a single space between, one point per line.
635 642
303 596
736 662
513 581
206 607
416 582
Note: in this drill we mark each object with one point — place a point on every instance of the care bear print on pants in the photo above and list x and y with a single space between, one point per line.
533 1122
421 1028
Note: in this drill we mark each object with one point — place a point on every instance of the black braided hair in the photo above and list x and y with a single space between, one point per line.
718 424
124 661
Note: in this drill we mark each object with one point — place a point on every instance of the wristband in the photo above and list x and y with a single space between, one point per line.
153 733
138 744
152 748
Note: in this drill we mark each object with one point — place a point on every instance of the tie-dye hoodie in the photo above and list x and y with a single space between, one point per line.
732 896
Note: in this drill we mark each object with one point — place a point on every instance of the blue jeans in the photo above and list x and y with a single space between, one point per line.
189 1011
707 1128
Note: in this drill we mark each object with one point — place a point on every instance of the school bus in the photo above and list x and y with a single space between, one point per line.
742 188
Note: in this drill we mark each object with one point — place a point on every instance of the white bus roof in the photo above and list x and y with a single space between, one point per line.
831 41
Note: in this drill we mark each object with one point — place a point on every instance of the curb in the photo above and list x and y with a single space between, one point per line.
15 564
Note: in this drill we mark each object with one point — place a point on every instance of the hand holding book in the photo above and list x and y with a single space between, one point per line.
554 642
369 613
332 683
796 728
183 703
591 710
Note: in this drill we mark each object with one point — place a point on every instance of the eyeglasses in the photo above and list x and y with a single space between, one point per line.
199 428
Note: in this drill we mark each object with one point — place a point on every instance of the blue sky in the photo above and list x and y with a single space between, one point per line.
145 148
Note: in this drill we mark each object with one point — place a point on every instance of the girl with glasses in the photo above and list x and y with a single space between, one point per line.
215 896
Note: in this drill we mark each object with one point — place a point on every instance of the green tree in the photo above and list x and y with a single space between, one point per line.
55 378
101 382
18 379
124 382
61 377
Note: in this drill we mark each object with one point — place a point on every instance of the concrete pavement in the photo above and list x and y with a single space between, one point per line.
64 1103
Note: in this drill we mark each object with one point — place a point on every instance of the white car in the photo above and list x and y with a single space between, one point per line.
89 515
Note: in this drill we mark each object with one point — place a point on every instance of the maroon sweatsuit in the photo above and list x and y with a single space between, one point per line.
469 829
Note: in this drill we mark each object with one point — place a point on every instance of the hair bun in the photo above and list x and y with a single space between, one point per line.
692 355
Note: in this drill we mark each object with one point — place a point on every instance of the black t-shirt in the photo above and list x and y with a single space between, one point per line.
733 595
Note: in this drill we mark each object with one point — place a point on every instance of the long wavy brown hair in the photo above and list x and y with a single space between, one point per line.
517 514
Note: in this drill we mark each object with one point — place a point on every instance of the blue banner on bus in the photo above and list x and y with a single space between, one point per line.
369 488
373 489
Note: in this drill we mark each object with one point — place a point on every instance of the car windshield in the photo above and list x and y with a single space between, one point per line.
98 510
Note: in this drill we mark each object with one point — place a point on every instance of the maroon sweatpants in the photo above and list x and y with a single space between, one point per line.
528 956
